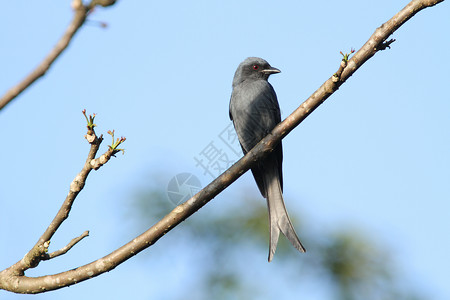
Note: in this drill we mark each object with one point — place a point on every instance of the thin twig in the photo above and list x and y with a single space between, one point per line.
69 246
81 12
77 21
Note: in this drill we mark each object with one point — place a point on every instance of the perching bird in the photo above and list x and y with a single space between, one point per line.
254 111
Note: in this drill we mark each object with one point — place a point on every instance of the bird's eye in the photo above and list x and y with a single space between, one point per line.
255 67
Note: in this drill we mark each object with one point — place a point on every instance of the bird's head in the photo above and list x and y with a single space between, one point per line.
253 68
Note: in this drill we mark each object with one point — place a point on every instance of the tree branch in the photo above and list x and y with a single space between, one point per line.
76 185
13 275
81 12
15 281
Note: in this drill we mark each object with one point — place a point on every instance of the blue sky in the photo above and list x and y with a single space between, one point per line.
375 156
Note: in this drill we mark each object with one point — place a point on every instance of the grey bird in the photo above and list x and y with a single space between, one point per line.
255 111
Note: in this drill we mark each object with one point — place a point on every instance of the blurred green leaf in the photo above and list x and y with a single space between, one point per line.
344 260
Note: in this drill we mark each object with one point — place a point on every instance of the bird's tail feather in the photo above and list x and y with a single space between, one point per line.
278 216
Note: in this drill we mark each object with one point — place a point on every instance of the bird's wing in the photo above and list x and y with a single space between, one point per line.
255 112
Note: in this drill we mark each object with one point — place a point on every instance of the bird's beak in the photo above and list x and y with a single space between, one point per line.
271 70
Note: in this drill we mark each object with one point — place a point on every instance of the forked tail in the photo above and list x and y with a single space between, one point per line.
278 216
